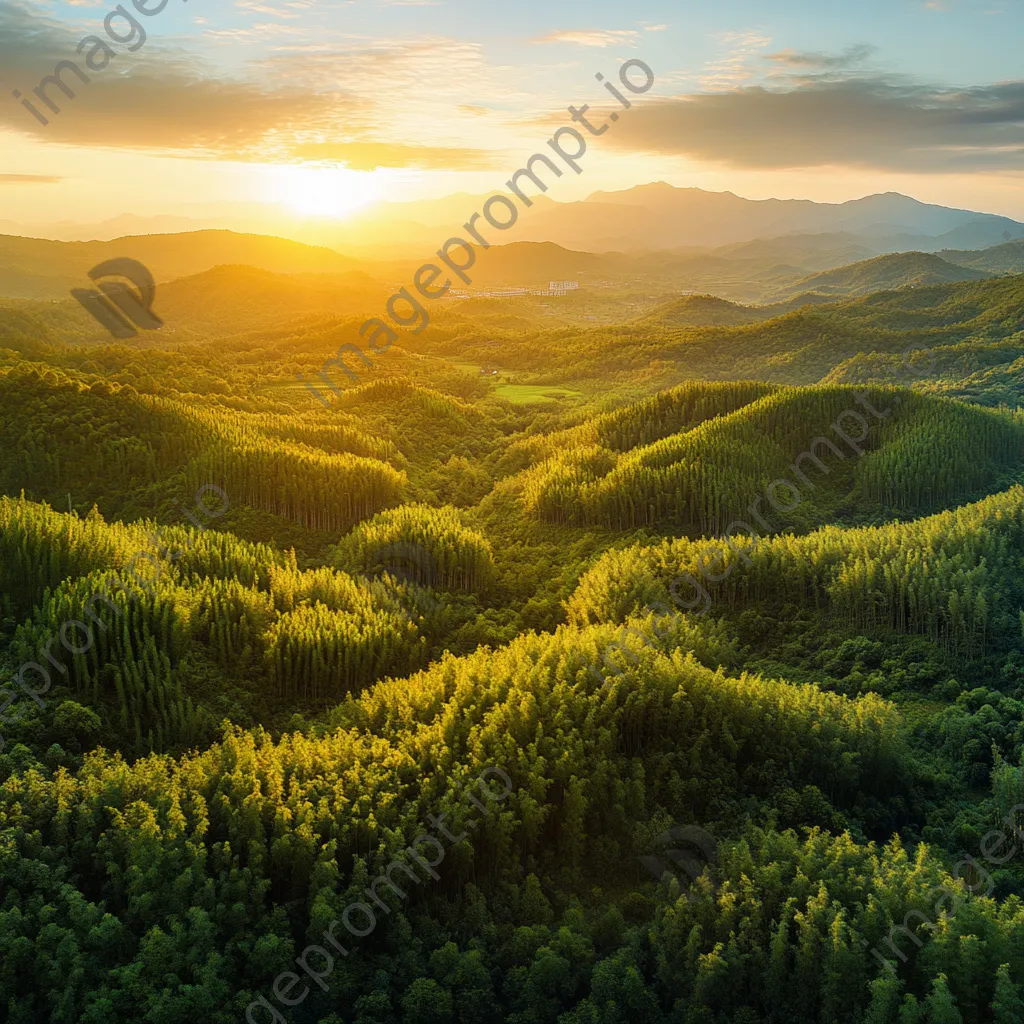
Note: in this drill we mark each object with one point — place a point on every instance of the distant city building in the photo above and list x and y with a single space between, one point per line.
554 288
503 293
561 287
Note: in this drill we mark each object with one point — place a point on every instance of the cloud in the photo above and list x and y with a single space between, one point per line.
37 179
851 56
292 93
591 37
368 156
388 76
161 100
735 67
878 123
256 7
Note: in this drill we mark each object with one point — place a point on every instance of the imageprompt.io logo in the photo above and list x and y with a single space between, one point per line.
690 850
119 308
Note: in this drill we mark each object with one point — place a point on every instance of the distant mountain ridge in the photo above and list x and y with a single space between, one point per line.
645 217
807 264
39 268
661 216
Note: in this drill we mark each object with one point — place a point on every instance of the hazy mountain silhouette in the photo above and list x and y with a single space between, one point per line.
645 217
662 216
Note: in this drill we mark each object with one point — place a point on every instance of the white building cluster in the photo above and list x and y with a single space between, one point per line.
553 288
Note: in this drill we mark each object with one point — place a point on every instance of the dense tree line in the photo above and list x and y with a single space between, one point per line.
639 423
916 457
954 576
946 452
426 545
320 491
108 443
296 824
315 652
116 628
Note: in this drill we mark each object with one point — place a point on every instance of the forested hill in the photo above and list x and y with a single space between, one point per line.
913 457
800 342
896 270
732 597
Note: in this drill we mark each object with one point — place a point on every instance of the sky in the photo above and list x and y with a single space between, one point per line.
330 106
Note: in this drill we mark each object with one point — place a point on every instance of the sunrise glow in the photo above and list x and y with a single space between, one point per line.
330 192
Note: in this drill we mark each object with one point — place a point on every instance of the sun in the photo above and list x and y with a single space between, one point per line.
333 192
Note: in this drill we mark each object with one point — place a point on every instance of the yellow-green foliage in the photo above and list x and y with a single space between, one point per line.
40 548
316 652
314 633
340 434
576 753
105 441
944 451
320 491
955 577
155 869
269 463
390 391
703 479
426 545
641 423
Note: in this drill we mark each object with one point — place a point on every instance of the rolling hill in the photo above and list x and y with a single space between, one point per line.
1006 258
699 479
43 269
706 311
886 273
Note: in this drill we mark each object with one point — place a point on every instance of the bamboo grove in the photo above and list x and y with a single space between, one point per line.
955 577
704 478
254 713
306 821
426 545
250 611
265 461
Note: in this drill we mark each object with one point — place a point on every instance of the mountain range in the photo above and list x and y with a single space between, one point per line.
223 270
645 217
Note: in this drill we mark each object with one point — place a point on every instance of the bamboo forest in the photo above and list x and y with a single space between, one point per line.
726 599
